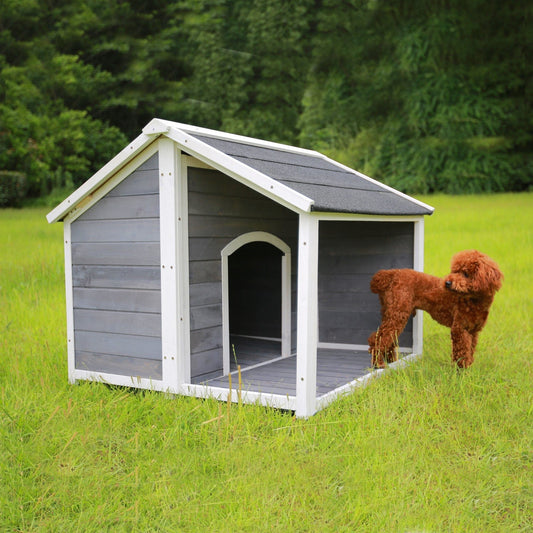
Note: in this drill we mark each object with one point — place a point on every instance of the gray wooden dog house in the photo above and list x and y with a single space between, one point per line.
194 250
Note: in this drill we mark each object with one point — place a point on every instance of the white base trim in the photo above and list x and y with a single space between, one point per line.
277 401
122 381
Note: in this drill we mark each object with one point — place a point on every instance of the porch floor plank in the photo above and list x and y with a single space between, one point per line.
335 368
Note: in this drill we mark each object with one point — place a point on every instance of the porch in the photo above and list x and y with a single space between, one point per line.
271 379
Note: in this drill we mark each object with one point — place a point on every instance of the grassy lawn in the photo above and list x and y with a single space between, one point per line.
424 449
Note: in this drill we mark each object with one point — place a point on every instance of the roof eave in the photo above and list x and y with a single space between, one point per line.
95 181
425 206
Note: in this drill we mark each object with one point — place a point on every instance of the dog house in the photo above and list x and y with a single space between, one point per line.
195 251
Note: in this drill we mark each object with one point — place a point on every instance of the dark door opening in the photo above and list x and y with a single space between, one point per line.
254 288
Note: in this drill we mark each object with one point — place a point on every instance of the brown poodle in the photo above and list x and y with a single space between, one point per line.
460 301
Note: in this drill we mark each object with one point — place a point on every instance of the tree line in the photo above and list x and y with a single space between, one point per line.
425 95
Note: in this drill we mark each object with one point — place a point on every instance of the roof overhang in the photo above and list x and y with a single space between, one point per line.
183 136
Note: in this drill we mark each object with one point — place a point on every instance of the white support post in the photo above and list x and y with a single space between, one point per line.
286 304
69 301
182 222
418 262
307 316
169 261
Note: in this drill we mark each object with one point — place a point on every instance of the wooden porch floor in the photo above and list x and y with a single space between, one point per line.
262 369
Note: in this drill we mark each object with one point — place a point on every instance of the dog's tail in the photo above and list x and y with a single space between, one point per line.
381 281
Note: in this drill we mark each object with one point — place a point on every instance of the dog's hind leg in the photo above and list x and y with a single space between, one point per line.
383 344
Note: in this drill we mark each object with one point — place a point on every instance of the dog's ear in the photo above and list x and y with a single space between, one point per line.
489 277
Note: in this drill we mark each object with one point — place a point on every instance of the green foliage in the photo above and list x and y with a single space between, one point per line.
12 188
426 448
432 96
427 96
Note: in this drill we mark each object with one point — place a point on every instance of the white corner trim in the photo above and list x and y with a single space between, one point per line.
418 264
156 127
69 298
168 170
86 203
234 245
307 322
216 134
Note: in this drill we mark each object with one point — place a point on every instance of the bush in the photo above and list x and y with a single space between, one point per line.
13 186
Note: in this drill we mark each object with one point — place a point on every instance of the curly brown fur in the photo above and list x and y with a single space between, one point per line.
460 301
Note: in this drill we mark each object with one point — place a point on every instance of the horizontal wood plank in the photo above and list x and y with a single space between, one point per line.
206 316
134 230
206 339
116 277
119 365
205 271
147 324
117 300
206 362
118 344
126 254
235 206
205 294
117 207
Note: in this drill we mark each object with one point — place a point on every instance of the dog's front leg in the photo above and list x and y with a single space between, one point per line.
463 344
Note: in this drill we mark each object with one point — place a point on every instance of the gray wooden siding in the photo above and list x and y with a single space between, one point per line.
117 279
221 209
349 255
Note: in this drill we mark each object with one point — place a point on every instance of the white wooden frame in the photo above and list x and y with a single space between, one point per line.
307 321
135 160
418 264
234 245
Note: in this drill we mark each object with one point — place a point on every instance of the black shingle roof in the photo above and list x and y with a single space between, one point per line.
332 188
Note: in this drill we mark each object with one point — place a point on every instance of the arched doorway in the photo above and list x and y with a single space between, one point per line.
256 293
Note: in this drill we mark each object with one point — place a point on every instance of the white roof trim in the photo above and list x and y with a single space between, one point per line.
202 151
240 171
158 125
182 135
110 168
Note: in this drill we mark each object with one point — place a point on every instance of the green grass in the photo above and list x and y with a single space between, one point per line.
428 448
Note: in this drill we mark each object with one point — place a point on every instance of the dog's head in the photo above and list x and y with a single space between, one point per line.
473 274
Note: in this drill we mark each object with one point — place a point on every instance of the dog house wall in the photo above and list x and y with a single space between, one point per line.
220 210
116 279
350 252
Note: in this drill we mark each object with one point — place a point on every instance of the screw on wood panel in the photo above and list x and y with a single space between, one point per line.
301 379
